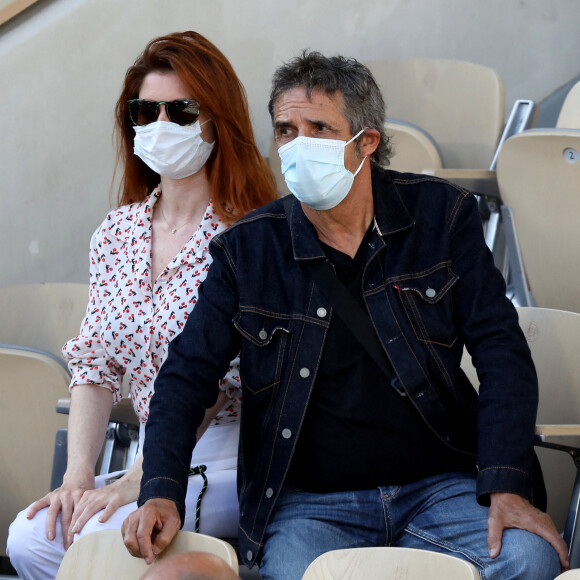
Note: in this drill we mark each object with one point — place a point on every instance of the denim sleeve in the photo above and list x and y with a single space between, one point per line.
187 384
508 392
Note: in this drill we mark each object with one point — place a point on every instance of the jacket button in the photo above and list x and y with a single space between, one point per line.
430 293
321 312
263 334
286 433
269 492
304 372
249 555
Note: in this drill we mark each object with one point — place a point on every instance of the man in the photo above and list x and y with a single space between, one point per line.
340 447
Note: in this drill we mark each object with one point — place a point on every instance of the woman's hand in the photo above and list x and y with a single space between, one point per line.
108 498
63 501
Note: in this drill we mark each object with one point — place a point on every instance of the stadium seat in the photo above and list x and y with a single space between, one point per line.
31 382
538 175
553 336
103 555
384 563
569 117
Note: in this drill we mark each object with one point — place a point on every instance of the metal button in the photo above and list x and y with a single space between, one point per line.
430 293
249 555
263 334
304 372
321 312
269 492
286 433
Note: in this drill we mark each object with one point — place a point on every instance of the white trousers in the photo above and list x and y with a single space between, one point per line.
36 558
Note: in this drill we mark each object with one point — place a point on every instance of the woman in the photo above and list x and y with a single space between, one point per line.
191 167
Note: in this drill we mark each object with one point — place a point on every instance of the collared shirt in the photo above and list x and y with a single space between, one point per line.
131 318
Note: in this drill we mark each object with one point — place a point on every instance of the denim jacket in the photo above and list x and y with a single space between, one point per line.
430 287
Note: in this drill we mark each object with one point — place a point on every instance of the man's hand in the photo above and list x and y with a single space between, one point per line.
150 529
509 510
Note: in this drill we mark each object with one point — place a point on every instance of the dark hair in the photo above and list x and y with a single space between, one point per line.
362 99
240 179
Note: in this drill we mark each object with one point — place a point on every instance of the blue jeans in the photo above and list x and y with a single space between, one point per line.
438 513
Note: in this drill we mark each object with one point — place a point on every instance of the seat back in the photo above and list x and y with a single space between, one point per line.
569 117
538 174
552 336
383 563
31 384
103 555
43 316
414 149
460 104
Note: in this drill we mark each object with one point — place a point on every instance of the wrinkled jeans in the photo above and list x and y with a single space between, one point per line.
439 513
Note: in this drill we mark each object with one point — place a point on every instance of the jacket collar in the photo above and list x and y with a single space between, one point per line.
391 216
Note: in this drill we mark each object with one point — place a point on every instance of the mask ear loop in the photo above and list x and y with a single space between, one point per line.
351 140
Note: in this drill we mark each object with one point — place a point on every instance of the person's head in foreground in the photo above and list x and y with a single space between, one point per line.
190 566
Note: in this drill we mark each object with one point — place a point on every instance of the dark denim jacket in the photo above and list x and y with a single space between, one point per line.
430 287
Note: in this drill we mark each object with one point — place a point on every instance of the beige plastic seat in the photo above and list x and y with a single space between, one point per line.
384 563
103 555
460 104
569 117
42 316
553 337
31 384
414 150
539 179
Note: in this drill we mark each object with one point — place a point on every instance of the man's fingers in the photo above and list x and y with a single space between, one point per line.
494 533
163 537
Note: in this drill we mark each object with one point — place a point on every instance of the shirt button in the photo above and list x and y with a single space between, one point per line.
321 312
249 555
269 492
263 334
304 372
430 293
286 433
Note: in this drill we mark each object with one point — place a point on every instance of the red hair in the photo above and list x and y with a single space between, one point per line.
240 179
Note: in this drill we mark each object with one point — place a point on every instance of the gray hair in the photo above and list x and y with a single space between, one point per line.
363 102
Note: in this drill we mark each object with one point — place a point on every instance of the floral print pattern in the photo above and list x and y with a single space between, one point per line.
130 318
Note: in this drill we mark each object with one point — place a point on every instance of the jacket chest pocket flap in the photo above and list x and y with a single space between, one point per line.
264 345
427 300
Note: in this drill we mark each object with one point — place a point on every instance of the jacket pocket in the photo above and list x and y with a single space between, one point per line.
264 343
427 300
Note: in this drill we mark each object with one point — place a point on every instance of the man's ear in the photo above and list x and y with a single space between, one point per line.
369 141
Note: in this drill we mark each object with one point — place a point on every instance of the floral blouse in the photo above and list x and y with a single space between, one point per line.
130 318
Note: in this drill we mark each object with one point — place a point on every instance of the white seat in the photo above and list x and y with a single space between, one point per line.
384 563
103 555
414 149
31 382
460 104
538 174
553 336
569 117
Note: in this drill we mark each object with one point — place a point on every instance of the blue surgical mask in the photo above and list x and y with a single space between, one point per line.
314 170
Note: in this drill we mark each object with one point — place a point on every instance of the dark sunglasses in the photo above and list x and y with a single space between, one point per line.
182 111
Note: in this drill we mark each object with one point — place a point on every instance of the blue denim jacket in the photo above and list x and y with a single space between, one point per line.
430 287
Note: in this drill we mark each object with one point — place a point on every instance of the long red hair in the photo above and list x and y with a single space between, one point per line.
240 179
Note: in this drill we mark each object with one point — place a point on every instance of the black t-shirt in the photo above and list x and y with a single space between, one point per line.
359 432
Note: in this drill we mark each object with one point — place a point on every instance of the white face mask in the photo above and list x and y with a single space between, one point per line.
172 150
314 170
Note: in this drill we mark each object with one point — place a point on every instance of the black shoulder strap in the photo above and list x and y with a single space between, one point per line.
353 315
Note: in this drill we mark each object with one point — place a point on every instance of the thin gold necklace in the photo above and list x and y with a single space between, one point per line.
173 229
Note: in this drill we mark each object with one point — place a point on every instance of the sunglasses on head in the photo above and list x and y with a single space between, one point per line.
181 111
